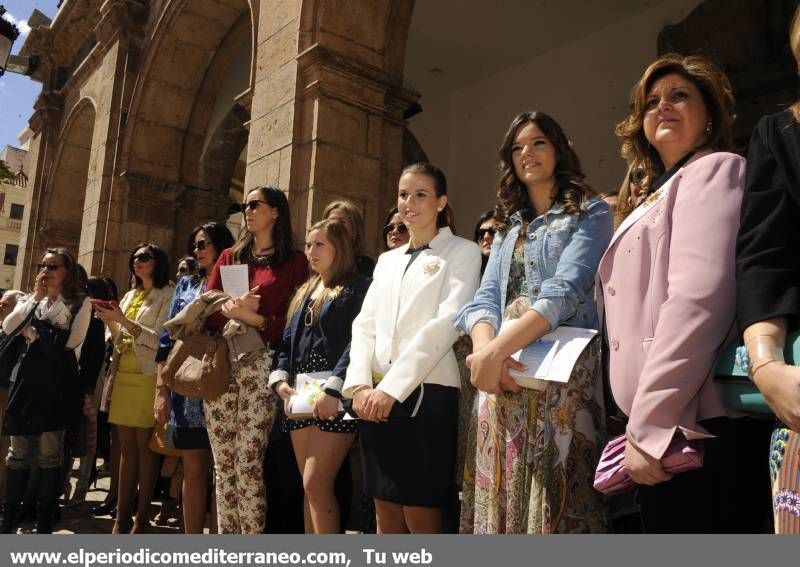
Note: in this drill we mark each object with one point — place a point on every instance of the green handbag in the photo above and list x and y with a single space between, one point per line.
738 392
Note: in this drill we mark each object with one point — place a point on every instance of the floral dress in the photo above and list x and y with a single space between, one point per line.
536 451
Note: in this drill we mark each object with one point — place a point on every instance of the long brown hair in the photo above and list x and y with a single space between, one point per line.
794 42
717 95
281 232
356 216
512 194
343 269
73 288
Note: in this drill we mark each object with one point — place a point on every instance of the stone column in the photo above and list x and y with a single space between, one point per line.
350 137
45 124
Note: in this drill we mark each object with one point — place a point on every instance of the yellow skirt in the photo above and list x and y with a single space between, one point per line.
133 394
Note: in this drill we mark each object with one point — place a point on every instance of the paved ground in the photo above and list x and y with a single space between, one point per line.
77 519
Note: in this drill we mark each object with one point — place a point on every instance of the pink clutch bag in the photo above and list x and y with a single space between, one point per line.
612 477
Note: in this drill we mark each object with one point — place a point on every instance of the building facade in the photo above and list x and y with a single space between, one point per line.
13 201
156 115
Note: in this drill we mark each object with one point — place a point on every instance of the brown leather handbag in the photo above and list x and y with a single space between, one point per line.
198 367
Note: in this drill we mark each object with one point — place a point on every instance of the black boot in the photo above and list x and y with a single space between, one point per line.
47 499
16 481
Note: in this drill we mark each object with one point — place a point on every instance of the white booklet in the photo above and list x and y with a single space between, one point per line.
235 280
308 388
550 358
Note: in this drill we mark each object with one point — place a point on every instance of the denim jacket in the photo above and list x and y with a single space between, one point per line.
562 252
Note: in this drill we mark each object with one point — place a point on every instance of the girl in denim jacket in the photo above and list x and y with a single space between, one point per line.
535 449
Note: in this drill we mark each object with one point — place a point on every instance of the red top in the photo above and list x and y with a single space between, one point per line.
275 286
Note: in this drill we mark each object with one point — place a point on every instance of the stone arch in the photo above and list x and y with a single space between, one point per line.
178 64
65 194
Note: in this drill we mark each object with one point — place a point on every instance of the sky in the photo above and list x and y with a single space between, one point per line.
18 93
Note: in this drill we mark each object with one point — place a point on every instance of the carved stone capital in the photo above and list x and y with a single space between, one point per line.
121 18
48 108
326 72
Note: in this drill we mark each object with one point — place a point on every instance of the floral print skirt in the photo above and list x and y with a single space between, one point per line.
532 456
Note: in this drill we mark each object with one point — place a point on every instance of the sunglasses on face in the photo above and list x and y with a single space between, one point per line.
182 270
49 267
252 205
482 232
399 227
143 257
200 245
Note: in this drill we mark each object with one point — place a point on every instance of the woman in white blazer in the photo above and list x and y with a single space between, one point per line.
403 375
136 327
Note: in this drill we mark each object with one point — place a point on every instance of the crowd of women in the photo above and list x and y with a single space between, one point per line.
410 361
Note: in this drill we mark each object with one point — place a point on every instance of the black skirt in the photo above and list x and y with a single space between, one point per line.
411 460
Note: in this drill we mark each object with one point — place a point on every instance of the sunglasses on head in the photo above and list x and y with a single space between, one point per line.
49 267
399 227
143 257
252 205
200 245
482 232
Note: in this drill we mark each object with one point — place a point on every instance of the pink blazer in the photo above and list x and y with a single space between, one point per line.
667 289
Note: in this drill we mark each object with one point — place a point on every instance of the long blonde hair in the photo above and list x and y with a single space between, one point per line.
794 43
343 269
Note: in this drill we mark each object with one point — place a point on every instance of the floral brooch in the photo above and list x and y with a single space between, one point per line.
431 267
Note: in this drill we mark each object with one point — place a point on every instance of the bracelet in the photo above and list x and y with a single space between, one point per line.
761 350
759 365
333 393
136 330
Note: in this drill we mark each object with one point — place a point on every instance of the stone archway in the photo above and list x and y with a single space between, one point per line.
181 111
63 207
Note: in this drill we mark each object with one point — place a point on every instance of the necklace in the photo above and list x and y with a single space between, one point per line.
309 317
259 260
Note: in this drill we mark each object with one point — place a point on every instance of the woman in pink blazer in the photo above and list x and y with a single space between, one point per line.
667 296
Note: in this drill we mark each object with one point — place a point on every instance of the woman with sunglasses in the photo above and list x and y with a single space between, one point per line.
484 236
395 232
136 326
240 420
42 401
351 216
186 424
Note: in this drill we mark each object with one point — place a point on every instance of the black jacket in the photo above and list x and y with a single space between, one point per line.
768 244
43 395
336 322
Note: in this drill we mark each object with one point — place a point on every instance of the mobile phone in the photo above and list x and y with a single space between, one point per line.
103 304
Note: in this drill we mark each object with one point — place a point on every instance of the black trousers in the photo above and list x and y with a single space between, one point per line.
730 494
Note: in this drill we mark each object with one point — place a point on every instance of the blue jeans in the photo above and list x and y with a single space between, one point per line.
48 447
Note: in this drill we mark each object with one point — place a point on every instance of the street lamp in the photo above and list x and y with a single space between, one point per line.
8 34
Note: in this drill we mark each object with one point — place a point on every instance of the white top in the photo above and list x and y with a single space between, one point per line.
57 313
405 328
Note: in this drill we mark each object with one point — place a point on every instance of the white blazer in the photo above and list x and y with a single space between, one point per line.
405 329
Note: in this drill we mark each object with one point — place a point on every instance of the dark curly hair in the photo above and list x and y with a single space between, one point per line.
512 194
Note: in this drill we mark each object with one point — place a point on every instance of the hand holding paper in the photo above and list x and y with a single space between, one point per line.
235 280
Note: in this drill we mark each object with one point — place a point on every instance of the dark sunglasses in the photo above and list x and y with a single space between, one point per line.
399 227
182 270
50 267
484 231
252 205
200 245
143 257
